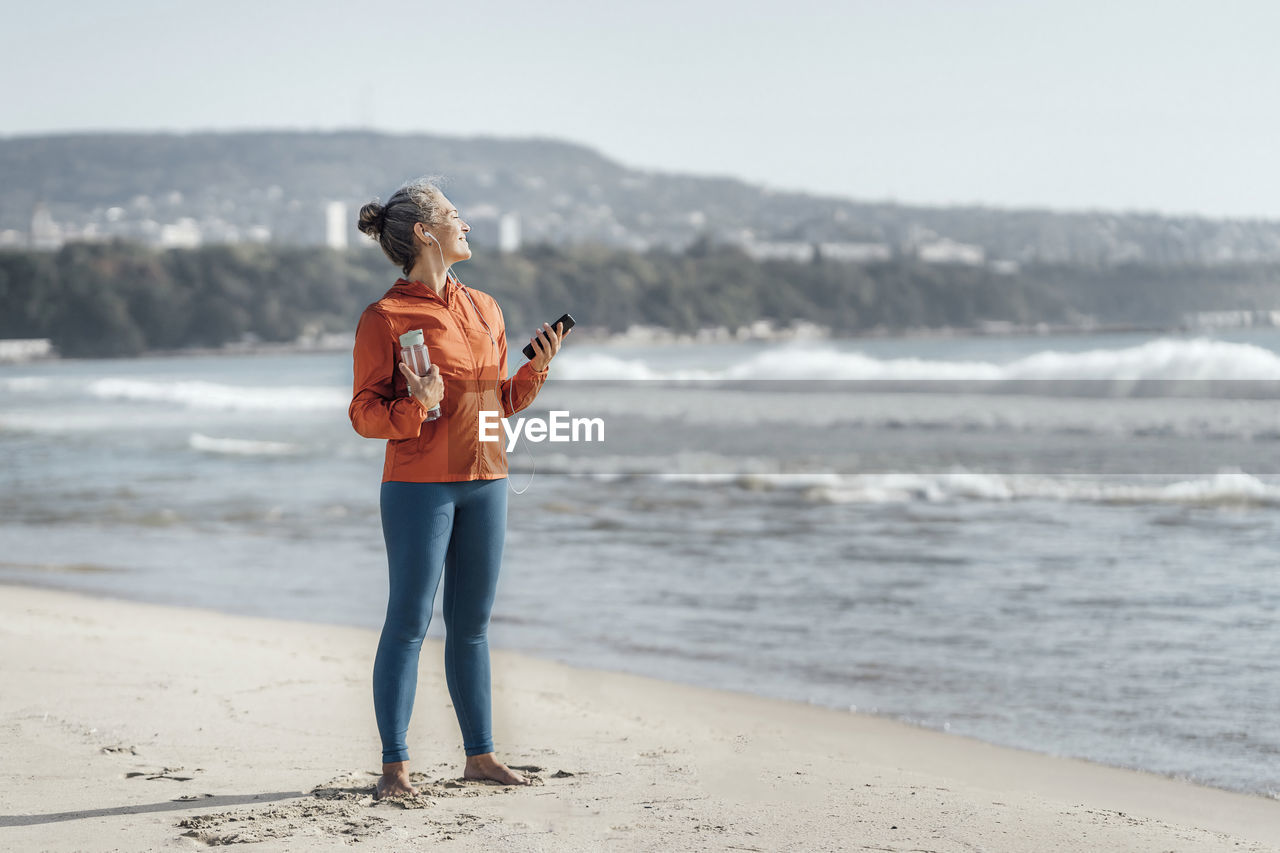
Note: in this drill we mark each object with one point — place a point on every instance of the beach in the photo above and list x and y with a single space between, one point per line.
131 726
935 617
1037 564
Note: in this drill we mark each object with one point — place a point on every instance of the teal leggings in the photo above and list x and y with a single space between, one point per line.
457 529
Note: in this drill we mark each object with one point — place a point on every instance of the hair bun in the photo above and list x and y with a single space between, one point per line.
373 217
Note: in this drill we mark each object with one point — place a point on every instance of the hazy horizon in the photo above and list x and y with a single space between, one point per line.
1142 109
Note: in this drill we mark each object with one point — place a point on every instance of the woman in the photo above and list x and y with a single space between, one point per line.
444 492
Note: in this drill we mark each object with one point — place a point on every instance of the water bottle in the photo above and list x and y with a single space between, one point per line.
413 352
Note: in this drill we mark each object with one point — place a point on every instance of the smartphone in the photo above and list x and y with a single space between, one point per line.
528 350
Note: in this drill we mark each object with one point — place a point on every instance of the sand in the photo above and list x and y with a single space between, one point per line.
133 727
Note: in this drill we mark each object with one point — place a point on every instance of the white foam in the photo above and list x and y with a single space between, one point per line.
1225 488
24 383
832 364
240 446
600 366
1163 358
213 395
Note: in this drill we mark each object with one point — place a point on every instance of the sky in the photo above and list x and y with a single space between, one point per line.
1124 105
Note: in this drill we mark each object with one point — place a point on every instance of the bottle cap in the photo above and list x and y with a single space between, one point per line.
411 339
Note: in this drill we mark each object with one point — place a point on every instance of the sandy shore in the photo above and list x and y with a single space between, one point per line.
137 727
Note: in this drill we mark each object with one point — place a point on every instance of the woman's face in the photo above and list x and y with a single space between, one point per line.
452 234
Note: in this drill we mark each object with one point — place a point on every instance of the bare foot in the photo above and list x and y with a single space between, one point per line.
394 781
487 767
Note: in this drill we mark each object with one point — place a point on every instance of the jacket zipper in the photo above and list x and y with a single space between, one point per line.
475 368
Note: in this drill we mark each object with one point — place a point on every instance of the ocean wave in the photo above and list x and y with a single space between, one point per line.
1160 359
1163 358
1226 488
240 446
599 366
24 383
785 417
214 395
1222 489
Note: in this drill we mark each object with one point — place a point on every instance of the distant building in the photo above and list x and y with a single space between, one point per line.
508 232
45 233
183 234
1237 319
947 251
996 327
336 228
783 250
855 253
757 329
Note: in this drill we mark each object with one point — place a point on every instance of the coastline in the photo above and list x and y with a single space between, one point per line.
123 718
651 335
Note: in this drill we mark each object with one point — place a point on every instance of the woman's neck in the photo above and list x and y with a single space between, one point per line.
432 275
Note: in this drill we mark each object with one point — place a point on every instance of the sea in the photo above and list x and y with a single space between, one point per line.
1064 543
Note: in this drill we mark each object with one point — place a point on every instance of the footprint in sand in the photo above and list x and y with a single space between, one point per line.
341 809
333 819
165 773
363 784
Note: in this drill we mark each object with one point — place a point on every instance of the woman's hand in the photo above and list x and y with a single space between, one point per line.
546 344
429 389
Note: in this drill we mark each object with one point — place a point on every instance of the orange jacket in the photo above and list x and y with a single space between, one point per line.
447 449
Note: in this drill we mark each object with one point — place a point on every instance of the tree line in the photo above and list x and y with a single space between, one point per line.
120 298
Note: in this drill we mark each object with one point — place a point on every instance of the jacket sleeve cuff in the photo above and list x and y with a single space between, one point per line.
420 411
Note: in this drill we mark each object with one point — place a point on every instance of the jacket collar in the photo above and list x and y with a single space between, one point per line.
423 290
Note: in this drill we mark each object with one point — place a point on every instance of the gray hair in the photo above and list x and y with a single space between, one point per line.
419 200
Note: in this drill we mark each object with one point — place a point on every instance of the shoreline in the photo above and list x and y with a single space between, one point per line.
647 336
215 713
